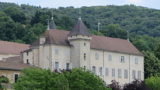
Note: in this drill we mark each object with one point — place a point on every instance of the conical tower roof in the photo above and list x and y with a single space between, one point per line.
79 29
51 24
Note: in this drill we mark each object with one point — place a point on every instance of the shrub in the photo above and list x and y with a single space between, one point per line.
135 85
4 79
115 85
153 83
76 79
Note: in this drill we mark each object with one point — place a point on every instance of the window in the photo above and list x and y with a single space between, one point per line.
122 59
84 67
107 72
125 73
16 77
67 66
119 73
56 65
97 56
84 56
136 60
27 61
94 69
84 44
100 71
56 51
133 74
113 72
110 57
139 75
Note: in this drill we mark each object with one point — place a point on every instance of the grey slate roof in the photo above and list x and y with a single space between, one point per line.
52 24
79 29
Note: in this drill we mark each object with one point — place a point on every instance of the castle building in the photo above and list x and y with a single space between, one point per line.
110 58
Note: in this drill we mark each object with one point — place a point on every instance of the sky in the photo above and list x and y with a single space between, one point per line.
79 3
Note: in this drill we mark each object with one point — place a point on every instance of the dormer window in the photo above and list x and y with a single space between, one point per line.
42 40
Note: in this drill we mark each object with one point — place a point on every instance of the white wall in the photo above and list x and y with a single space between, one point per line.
116 63
46 56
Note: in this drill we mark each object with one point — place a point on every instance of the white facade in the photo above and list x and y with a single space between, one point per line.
121 67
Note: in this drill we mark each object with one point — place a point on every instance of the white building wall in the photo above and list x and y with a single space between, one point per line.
62 56
46 56
115 63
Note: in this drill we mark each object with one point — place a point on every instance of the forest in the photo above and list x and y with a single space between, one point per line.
25 23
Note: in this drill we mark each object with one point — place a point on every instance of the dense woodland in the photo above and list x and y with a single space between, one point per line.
25 23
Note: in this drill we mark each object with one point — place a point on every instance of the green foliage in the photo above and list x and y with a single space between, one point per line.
145 42
16 14
114 30
4 79
151 65
157 51
95 32
24 23
153 83
84 80
40 79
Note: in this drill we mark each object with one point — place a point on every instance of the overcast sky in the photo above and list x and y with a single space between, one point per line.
78 3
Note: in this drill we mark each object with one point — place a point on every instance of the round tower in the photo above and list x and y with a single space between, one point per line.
79 39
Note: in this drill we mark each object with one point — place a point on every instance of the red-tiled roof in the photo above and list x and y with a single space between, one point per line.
13 63
12 47
97 42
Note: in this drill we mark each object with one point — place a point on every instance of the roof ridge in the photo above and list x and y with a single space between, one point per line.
14 42
93 35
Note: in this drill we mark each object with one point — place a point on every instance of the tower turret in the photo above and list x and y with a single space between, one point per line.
79 39
51 24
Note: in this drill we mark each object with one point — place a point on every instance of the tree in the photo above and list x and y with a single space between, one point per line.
114 30
151 64
136 85
16 14
84 80
39 79
157 52
33 32
3 79
153 83
115 85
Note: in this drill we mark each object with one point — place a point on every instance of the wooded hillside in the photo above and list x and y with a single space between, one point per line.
25 23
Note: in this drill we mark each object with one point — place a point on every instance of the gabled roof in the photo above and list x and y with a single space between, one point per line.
60 37
12 47
79 29
13 63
